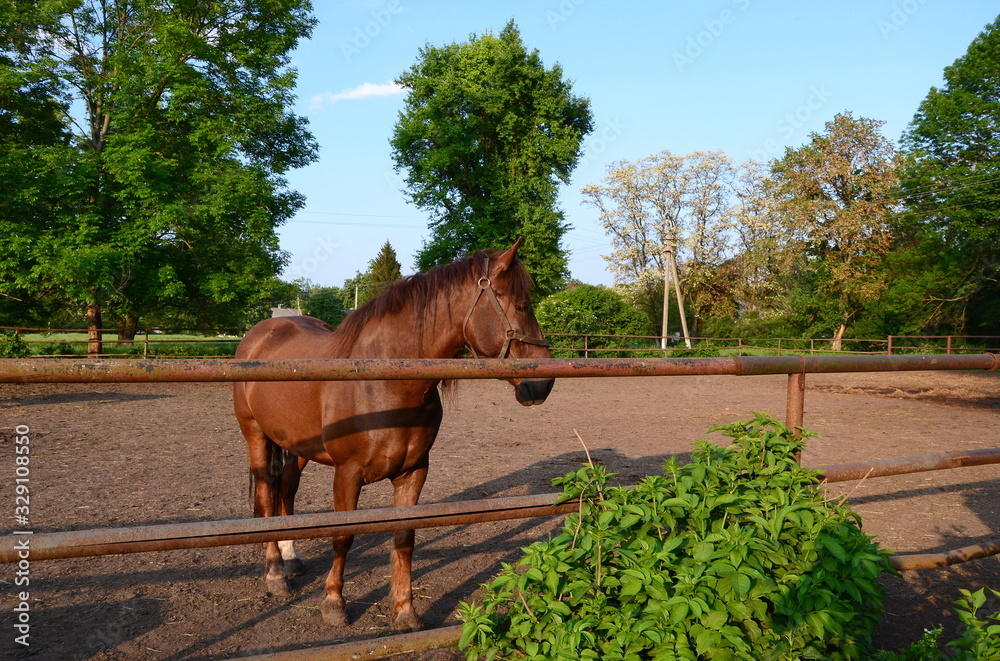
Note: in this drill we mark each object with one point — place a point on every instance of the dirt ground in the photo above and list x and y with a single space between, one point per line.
120 455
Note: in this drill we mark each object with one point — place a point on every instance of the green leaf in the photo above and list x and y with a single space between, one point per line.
702 551
631 587
741 584
715 619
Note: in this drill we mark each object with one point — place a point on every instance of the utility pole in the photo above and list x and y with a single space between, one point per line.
666 294
670 269
680 298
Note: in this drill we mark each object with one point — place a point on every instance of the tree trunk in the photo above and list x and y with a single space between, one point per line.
94 345
838 337
129 325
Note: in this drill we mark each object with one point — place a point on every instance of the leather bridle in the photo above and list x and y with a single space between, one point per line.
511 334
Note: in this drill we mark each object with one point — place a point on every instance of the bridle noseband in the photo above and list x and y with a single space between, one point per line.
511 333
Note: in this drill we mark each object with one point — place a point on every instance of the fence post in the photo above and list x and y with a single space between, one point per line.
586 346
889 350
948 345
145 345
795 403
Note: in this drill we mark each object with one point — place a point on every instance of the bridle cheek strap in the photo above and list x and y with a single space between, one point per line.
511 334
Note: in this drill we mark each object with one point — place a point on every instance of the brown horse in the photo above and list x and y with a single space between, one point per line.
375 430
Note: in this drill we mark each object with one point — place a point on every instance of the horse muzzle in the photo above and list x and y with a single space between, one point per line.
533 391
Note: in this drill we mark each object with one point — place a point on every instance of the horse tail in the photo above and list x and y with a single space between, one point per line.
277 457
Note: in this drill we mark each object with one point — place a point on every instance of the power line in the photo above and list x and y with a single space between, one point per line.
362 215
350 224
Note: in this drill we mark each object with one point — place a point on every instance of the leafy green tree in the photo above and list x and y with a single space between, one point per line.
591 310
486 135
325 303
160 131
951 188
354 292
837 194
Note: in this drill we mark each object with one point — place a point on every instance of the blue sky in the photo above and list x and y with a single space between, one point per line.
742 76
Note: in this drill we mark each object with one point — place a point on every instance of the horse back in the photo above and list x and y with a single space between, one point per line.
286 337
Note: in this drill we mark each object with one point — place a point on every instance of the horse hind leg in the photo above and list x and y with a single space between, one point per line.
266 467
406 492
286 505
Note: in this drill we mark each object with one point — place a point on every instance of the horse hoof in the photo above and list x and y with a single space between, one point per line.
278 587
406 621
294 567
334 613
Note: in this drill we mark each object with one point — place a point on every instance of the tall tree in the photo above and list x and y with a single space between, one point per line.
486 136
838 193
952 186
165 174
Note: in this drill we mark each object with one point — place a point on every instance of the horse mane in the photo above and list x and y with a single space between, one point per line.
416 290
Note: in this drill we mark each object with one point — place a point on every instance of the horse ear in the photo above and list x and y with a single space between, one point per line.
505 259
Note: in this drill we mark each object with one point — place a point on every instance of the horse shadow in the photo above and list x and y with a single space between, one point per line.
449 549
90 397
920 600
122 621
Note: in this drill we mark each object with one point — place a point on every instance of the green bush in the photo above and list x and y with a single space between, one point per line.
58 349
735 556
12 346
590 310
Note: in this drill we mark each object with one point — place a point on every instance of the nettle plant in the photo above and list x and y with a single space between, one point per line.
737 555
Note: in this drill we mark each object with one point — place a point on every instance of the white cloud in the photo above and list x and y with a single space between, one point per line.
362 91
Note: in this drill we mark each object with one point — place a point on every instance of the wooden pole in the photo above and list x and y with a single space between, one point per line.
680 296
666 295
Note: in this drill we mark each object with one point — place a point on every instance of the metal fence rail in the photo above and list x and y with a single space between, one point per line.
42 370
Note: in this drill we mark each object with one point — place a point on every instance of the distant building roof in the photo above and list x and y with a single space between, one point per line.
282 311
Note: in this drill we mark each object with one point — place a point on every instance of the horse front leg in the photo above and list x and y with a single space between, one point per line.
406 492
346 490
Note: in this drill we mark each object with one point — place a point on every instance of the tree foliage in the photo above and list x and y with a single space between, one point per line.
591 310
951 187
384 270
144 147
486 135
837 194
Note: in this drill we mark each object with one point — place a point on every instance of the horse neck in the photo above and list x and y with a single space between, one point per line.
438 323
430 329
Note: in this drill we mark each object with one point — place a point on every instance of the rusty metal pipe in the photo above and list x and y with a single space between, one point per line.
59 370
201 534
903 465
376 648
913 561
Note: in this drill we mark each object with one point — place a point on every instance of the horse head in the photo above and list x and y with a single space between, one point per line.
500 322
